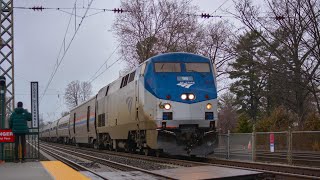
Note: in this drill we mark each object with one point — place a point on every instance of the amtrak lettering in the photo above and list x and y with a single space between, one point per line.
186 84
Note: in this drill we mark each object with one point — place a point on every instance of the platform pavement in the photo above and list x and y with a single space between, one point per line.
28 170
38 171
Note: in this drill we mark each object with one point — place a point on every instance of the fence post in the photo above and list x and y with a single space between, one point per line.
289 142
228 145
253 139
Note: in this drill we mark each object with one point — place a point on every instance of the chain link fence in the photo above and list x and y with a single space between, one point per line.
287 147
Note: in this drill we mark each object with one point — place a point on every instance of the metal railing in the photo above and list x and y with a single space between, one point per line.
31 151
288 147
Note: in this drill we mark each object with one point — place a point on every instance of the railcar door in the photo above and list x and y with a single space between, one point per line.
88 119
137 99
74 124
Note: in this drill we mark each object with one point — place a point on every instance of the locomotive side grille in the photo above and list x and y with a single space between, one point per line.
101 120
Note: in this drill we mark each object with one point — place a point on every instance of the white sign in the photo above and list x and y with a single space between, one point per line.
34 104
272 147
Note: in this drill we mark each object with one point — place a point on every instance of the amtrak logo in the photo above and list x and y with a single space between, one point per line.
186 84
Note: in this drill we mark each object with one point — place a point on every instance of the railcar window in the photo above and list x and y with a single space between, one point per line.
167 67
197 67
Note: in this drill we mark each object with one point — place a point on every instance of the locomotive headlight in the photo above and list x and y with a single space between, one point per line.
183 96
191 96
167 106
209 106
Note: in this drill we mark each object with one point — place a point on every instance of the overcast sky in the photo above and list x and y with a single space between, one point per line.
38 38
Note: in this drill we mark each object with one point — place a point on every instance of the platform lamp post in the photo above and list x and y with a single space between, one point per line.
2 108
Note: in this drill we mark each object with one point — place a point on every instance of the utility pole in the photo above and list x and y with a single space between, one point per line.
6 52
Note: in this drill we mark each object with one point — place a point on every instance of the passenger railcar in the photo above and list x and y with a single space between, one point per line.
53 135
168 103
45 132
82 123
63 130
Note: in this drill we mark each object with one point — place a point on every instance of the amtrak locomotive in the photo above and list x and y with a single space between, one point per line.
167 104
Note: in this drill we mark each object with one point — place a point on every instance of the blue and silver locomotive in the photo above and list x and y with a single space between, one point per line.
167 104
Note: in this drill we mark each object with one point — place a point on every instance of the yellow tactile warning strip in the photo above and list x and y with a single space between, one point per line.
61 171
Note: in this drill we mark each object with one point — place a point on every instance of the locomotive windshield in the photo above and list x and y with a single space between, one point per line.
167 67
197 67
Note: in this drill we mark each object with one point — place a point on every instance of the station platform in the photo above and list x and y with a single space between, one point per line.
208 172
38 171
57 170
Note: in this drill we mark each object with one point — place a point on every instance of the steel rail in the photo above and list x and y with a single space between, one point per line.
113 164
169 161
282 170
70 163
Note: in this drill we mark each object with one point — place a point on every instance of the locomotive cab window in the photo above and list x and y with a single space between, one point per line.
167 67
197 67
131 78
107 91
124 81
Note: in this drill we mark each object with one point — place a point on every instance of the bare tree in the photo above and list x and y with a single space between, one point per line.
227 112
85 91
77 92
155 26
41 122
216 44
291 33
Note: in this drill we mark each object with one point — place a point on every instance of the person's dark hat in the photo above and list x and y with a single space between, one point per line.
20 104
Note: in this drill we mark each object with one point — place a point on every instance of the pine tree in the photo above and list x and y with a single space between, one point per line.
244 125
248 73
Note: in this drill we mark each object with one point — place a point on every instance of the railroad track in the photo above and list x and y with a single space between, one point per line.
282 171
54 151
69 162
107 154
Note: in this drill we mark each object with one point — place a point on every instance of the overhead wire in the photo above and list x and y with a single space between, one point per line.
105 62
94 78
211 14
120 58
61 47
66 50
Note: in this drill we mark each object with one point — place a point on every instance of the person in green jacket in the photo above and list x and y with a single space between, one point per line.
18 124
